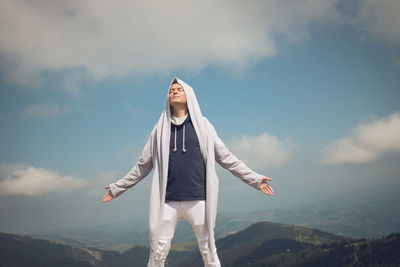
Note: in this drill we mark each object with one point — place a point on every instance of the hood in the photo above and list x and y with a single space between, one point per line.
194 110
193 105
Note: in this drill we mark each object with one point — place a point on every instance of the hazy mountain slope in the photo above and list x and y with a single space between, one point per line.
267 244
377 252
261 244
115 236
368 213
22 251
276 237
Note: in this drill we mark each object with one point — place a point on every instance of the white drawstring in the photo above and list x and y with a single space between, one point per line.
183 148
175 140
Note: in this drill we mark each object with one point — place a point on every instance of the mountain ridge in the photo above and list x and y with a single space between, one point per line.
22 250
261 244
362 214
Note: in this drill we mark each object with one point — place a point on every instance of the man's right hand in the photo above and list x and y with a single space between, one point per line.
108 196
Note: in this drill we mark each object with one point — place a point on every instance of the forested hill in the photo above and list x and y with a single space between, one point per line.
262 244
270 244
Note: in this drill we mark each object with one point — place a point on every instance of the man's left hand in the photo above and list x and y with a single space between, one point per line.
265 187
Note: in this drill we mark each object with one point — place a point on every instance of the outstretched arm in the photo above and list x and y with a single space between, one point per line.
141 169
229 161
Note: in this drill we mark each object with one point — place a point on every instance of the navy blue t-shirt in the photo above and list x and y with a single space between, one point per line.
186 170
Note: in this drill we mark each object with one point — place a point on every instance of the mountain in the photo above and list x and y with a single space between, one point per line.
266 239
17 250
261 244
21 251
285 253
367 213
269 244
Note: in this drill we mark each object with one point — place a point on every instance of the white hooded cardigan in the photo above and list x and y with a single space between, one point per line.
155 156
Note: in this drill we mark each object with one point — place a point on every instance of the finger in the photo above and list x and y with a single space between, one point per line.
268 190
264 190
271 189
267 178
107 198
107 187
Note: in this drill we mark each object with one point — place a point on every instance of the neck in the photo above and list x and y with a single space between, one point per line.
179 111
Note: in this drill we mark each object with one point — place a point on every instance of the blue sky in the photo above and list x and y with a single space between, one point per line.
306 93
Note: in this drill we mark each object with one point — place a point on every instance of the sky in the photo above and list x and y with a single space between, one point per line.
304 92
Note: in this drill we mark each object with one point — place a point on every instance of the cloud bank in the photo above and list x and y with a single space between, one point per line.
33 181
262 151
78 40
106 39
367 142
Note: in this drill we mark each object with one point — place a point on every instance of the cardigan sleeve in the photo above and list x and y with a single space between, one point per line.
140 170
225 158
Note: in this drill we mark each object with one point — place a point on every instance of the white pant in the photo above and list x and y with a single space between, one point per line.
174 211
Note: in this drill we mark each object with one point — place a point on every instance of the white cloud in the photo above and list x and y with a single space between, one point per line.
33 181
45 110
76 40
367 142
106 39
262 151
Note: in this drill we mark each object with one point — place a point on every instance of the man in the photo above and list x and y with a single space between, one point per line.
182 150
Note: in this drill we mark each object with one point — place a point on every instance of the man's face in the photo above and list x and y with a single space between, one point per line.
177 95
